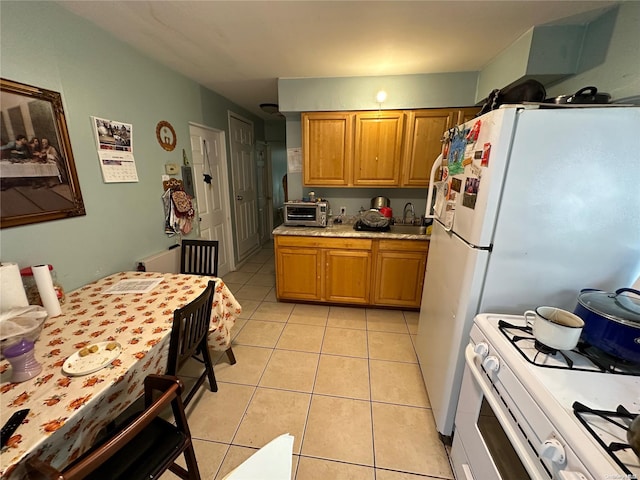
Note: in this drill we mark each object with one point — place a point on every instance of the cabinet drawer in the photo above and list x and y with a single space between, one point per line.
323 242
420 246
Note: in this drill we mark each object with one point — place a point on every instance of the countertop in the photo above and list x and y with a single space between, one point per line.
344 231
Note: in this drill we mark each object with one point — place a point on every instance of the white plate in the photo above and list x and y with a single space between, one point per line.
76 365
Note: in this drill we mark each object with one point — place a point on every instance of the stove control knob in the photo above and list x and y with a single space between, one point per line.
481 349
553 450
491 364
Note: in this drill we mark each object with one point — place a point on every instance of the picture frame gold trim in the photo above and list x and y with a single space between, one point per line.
166 135
36 185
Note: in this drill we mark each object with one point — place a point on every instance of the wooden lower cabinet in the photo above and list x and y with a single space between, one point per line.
350 271
298 271
347 276
399 273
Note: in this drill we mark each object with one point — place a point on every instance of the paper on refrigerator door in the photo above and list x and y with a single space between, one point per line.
444 209
441 200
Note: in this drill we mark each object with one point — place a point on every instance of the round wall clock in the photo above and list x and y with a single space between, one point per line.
166 135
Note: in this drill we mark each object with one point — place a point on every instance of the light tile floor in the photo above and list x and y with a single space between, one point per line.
344 381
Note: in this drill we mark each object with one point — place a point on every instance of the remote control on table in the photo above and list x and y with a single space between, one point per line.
12 424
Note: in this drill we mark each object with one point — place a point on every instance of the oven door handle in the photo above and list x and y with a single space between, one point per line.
517 444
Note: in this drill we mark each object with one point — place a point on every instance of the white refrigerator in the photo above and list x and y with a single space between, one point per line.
538 203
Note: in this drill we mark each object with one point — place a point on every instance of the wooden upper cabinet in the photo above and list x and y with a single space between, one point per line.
466 114
386 148
423 143
327 148
378 148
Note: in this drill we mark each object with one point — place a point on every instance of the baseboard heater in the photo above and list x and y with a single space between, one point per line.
167 261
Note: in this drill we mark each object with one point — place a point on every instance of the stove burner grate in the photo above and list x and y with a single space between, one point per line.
621 419
606 361
594 359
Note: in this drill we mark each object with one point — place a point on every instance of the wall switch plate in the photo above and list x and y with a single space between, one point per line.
343 210
171 168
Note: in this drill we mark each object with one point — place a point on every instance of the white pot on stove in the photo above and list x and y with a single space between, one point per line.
554 327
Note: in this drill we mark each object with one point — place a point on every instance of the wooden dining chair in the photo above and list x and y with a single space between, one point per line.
200 257
144 448
189 335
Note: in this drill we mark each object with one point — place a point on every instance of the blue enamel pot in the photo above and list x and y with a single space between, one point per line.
611 321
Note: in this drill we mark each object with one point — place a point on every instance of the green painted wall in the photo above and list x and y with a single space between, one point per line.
99 75
359 93
610 58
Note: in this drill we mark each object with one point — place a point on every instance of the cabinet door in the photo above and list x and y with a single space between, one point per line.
347 276
327 148
423 143
378 148
466 114
399 273
298 273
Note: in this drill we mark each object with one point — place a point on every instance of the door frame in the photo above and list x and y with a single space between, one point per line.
225 196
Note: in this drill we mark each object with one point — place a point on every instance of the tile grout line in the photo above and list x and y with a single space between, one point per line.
313 386
244 413
373 436
312 394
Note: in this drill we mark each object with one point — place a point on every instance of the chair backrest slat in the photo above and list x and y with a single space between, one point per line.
100 459
190 326
199 257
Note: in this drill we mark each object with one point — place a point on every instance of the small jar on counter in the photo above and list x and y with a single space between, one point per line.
31 288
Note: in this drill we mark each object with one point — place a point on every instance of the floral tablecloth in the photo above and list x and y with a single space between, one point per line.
67 412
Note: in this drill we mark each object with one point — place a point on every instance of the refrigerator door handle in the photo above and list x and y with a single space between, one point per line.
487 248
436 165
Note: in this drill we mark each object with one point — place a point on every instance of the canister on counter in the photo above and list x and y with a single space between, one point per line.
30 287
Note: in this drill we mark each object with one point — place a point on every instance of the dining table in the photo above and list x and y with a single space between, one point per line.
70 405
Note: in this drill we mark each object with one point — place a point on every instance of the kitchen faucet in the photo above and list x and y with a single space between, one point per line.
404 213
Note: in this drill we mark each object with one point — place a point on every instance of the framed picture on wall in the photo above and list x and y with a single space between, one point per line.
38 179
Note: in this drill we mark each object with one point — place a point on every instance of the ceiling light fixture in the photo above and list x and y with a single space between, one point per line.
270 108
381 96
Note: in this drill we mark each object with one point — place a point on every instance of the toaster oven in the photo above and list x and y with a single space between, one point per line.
306 214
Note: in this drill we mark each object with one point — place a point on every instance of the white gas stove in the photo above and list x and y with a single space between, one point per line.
526 413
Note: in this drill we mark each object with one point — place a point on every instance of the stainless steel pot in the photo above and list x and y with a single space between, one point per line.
379 202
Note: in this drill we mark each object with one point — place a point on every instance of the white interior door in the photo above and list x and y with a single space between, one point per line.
265 203
214 212
244 186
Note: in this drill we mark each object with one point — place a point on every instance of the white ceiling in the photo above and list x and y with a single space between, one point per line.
240 48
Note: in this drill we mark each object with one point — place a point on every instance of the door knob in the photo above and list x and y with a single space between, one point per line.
239 197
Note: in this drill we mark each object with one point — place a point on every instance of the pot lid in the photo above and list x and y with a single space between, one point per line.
622 306
373 218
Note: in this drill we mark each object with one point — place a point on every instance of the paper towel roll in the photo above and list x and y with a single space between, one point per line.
12 294
43 279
